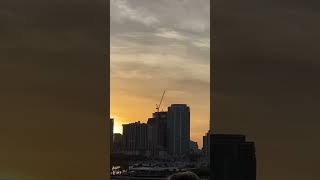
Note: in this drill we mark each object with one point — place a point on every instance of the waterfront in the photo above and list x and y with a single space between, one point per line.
156 170
136 178
142 178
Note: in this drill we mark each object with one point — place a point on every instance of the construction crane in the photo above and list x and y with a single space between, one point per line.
158 106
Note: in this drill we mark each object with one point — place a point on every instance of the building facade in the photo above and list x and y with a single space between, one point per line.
111 133
135 137
178 129
206 144
117 142
194 148
157 133
232 158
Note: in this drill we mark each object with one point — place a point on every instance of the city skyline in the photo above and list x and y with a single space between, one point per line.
166 134
113 126
168 50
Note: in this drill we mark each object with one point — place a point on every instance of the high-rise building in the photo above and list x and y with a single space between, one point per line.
111 133
232 158
117 142
178 129
135 137
194 148
206 145
157 133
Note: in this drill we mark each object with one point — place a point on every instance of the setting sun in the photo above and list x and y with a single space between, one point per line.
117 126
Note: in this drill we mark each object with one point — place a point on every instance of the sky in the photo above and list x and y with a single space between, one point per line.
267 69
156 46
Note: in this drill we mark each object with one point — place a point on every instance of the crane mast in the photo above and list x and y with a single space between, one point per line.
158 106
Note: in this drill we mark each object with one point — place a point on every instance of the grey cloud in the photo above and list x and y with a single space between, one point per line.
191 16
120 10
168 42
169 34
174 32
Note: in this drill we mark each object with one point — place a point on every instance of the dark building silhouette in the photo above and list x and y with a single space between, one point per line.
117 142
232 158
178 127
206 144
111 133
157 133
135 137
194 148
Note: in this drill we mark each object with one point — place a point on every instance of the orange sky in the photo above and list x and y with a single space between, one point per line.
131 107
157 46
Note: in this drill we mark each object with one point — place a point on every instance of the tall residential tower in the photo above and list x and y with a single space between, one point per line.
178 128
